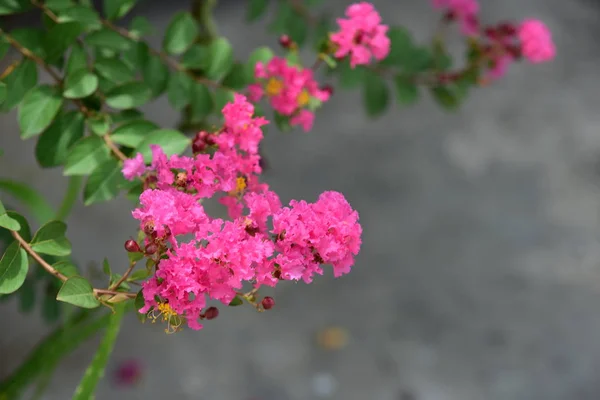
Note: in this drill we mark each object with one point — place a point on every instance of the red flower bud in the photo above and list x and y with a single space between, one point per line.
132 246
211 313
285 41
268 303
151 248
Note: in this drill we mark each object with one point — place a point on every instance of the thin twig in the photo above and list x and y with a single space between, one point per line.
124 277
51 270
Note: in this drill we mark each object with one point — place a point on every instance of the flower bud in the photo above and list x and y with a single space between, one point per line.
268 303
285 41
211 313
132 246
328 89
202 141
151 248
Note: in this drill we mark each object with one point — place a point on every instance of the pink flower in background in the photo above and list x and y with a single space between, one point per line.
463 11
536 41
290 89
134 167
361 35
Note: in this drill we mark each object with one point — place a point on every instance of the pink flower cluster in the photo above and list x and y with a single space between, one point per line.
507 42
291 90
362 36
536 41
262 244
463 11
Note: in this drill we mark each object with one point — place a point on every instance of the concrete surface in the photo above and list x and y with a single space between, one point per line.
479 277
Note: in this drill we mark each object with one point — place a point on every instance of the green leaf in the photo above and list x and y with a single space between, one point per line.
80 83
132 133
38 109
50 239
86 155
3 92
77 60
155 74
261 54
66 268
114 70
297 28
221 58
129 95
350 77
51 309
127 116
256 9
402 46
79 292
139 275
222 97
108 39
19 82
282 16
8 7
282 122
115 9
237 301
6 221
407 92
24 230
170 140
59 38
95 372
55 142
27 296
179 90
181 33
140 26
196 57
237 77
139 303
13 268
32 199
104 183
86 16
445 97
57 5
100 124
202 102
32 39
420 59
376 95
106 268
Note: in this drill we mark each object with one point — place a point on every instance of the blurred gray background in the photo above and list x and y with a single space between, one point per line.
479 276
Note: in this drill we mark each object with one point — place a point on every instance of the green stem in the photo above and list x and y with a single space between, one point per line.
70 198
202 10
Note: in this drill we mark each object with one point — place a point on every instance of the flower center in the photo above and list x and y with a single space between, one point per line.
274 87
303 98
165 312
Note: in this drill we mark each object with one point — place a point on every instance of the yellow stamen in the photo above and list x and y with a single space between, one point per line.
240 186
274 87
303 98
168 315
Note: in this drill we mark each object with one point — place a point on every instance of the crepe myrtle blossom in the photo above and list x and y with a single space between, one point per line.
361 35
290 89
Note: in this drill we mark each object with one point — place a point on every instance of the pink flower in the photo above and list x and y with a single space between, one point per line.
499 67
536 41
134 167
304 118
361 35
464 11
290 89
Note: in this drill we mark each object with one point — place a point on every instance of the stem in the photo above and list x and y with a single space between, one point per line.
52 271
124 277
202 10
70 198
301 9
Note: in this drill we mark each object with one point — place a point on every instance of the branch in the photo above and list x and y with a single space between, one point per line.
124 277
51 270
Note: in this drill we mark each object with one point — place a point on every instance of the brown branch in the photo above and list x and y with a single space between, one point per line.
51 270
124 277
